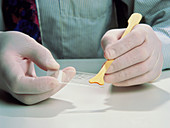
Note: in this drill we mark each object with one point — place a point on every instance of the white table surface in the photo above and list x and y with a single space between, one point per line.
91 106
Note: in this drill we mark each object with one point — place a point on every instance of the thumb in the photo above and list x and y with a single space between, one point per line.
40 55
63 76
110 37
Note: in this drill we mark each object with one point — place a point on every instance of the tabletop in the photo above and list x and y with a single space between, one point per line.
81 105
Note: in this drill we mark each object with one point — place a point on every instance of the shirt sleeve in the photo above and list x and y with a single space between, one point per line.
157 14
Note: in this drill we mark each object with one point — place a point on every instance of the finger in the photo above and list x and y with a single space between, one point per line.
135 56
38 85
110 37
40 55
28 67
145 78
69 71
34 85
27 47
68 74
133 71
21 84
31 70
135 38
18 83
63 76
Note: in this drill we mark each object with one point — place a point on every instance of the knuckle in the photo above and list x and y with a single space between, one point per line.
122 48
130 59
106 39
109 79
122 75
146 26
144 68
142 53
115 67
118 50
137 35
52 84
145 29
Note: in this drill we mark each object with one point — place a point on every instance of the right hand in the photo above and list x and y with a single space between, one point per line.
18 53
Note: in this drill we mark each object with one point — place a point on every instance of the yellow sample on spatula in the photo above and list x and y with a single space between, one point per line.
134 19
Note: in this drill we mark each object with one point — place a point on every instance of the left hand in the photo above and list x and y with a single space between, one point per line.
138 56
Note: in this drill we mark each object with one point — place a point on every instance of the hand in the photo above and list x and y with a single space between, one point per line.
138 56
17 74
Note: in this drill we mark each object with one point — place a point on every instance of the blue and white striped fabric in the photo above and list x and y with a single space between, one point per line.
75 27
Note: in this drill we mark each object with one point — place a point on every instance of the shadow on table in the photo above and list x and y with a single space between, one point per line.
137 98
49 108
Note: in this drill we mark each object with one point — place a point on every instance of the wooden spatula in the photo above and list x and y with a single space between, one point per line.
134 19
